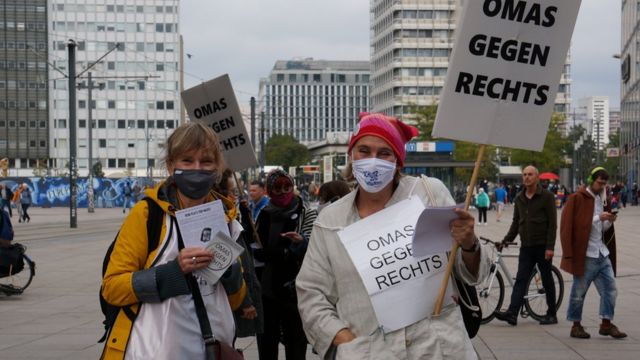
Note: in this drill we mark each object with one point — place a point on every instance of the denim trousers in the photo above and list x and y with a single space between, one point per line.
600 272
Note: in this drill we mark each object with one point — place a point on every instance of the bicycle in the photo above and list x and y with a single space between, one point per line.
491 292
17 269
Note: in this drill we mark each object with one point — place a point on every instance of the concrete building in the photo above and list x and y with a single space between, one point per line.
594 116
630 93
614 121
139 103
411 42
24 110
309 98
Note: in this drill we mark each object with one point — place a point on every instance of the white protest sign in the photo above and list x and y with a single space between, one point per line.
403 288
214 104
504 72
432 235
198 224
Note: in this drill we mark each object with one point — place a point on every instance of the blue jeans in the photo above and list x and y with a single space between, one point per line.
600 272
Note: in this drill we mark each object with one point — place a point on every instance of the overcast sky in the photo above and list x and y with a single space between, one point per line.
244 38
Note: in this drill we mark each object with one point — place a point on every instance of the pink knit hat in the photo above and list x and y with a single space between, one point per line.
393 131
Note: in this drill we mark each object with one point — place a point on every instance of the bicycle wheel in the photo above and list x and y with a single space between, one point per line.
15 284
490 295
536 299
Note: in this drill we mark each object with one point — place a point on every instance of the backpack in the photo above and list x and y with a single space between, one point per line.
154 224
6 229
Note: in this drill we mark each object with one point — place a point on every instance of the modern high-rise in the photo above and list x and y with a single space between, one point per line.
24 111
135 86
630 93
308 98
594 117
411 42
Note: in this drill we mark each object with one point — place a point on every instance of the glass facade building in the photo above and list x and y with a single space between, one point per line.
136 86
630 93
24 110
308 98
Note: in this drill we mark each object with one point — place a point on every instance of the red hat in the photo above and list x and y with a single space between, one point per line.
393 131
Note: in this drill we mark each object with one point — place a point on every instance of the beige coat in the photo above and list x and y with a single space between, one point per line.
331 295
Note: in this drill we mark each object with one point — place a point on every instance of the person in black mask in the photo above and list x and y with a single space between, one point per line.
157 283
284 227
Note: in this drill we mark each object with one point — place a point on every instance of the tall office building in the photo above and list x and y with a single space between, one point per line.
411 42
594 117
614 121
24 127
630 93
308 98
135 87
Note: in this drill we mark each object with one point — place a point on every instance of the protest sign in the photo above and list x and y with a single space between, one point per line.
214 104
504 72
432 233
402 287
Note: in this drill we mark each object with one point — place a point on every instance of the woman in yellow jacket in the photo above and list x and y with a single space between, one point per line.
153 285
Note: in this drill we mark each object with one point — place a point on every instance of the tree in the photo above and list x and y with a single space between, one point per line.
553 154
97 169
41 169
286 151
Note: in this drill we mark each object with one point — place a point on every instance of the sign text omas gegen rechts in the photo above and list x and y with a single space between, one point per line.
504 72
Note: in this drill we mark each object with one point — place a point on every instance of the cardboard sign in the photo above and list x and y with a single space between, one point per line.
402 287
504 73
214 104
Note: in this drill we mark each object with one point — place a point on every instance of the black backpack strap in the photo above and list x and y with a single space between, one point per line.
201 311
154 224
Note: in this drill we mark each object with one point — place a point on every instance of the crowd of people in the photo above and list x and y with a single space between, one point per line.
296 284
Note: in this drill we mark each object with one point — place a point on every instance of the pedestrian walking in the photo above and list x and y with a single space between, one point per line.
6 196
482 204
535 220
16 201
127 196
25 202
501 199
158 292
589 253
336 309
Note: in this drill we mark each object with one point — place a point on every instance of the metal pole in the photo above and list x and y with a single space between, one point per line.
73 206
253 127
262 154
90 199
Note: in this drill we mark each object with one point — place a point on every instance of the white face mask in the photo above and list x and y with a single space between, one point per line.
373 174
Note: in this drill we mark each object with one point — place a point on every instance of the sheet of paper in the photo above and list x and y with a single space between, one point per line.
432 235
198 224
225 252
402 288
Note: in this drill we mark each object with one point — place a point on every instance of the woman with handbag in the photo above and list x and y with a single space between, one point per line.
166 312
337 312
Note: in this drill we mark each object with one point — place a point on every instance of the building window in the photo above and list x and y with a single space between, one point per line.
169 105
160 105
102 143
279 77
141 124
121 163
111 163
169 124
122 124
102 124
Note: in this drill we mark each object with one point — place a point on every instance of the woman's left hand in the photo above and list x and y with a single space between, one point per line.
249 312
462 229
293 236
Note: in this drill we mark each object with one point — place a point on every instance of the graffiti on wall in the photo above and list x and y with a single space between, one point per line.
55 191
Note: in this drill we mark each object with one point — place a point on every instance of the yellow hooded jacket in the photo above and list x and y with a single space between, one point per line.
130 255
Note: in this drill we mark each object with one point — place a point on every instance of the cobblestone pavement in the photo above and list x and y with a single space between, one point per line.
58 317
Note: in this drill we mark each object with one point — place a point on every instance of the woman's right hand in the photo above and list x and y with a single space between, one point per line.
194 258
343 336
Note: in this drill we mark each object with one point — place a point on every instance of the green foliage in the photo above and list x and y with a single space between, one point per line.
285 151
97 169
425 117
552 156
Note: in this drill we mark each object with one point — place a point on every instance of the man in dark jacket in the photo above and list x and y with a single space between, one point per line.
535 220
589 253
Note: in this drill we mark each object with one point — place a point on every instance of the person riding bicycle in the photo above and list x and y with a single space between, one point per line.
534 219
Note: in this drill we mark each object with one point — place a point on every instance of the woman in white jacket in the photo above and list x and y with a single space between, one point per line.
336 310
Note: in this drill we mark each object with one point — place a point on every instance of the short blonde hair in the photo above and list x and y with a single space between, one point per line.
193 136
